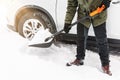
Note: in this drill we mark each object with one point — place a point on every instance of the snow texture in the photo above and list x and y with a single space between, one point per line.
20 62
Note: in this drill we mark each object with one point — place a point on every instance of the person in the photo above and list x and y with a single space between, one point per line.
84 8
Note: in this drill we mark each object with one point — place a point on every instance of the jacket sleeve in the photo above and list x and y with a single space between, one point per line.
71 10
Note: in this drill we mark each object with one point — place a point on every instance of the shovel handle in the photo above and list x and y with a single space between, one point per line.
98 10
54 35
68 26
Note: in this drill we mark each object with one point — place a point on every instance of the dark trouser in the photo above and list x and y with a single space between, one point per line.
101 38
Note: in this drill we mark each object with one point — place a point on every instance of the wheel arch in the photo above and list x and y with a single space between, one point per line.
27 8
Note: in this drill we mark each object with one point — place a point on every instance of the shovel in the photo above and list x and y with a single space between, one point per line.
48 44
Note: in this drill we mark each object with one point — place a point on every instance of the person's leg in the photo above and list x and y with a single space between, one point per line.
101 38
82 33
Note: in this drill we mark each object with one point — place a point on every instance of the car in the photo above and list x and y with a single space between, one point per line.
27 16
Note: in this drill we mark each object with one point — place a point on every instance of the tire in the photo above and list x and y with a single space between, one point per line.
31 21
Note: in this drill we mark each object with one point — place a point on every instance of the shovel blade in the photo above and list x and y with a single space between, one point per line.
39 39
42 45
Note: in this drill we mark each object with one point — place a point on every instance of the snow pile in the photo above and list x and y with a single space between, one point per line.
40 37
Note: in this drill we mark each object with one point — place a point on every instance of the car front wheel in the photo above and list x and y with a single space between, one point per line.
31 22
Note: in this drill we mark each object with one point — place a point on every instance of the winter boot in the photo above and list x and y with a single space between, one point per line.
107 70
75 62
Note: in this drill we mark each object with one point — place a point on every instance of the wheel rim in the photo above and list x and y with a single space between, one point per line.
31 27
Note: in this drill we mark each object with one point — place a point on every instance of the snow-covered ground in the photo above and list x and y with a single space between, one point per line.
20 62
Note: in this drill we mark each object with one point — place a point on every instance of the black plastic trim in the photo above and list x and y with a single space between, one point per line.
71 38
114 44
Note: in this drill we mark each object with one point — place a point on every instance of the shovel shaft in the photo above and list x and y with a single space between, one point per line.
97 11
57 33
